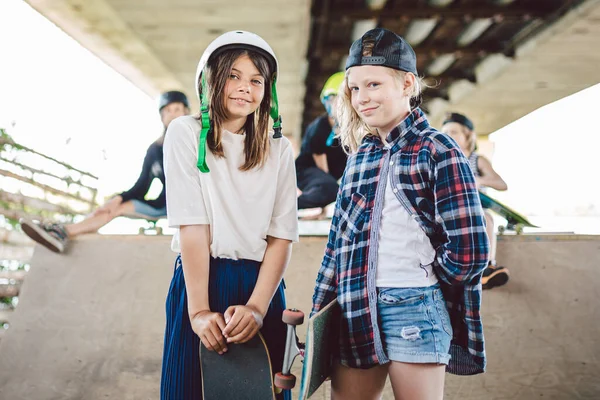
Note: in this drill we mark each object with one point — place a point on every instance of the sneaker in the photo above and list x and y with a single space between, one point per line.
51 236
494 276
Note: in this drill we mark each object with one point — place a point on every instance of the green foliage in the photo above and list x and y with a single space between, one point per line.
8 303
8 146
7 142
13 265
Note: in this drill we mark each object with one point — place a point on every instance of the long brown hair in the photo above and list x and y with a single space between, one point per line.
256 128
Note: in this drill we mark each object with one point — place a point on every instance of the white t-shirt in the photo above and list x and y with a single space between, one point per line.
241 207
405 252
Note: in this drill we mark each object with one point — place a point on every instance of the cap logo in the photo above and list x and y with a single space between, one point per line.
372 60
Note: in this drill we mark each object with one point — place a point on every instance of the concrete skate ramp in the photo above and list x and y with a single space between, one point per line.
542 329
90 325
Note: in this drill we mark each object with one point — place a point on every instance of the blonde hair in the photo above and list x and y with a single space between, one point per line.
471 140
352 129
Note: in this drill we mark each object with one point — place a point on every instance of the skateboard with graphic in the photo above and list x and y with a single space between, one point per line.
243 372
321 338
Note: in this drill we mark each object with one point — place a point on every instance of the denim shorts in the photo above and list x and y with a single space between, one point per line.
147 210
415 324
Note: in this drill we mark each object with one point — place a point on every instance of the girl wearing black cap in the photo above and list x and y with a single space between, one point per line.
407 244
56 236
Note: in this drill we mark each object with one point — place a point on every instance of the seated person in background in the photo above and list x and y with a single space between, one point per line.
56 236
322 160
462 130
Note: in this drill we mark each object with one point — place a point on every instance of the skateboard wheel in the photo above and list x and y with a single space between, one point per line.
285 382
293 317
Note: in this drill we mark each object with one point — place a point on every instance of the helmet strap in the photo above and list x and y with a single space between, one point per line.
274 112
207 123
206 126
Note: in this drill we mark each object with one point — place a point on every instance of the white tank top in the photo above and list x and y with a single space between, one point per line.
405 253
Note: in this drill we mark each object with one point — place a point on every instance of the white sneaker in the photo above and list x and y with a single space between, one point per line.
50 235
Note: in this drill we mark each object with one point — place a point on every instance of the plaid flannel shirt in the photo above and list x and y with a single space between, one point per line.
432 179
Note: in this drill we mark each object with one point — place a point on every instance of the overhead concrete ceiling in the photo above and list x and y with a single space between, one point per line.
562 60
157 44
495 60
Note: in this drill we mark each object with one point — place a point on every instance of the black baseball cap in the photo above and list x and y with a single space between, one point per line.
389 50
173 96
460 119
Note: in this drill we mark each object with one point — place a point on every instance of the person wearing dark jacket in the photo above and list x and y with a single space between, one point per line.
56 236
322 159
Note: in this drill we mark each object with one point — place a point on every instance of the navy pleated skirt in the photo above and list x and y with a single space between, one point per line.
231 283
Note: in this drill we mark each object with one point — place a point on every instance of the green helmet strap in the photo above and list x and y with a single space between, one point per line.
207 124
206 127
275 111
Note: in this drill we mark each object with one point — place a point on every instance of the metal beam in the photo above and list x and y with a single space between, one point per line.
317 78
453 75
513 13
432 50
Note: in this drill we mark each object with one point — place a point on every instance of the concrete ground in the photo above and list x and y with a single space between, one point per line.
89 324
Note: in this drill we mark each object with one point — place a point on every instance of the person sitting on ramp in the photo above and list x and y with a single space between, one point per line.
462 130
56 236
322 159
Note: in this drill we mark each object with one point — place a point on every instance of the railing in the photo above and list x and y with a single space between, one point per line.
36 186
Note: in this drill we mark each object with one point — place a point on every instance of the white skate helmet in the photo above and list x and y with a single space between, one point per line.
234 40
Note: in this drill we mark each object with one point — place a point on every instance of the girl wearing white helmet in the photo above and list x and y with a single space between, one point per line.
407 245
232 196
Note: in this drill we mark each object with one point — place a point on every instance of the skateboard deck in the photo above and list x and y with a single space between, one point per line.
321 338
515 221
243 372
